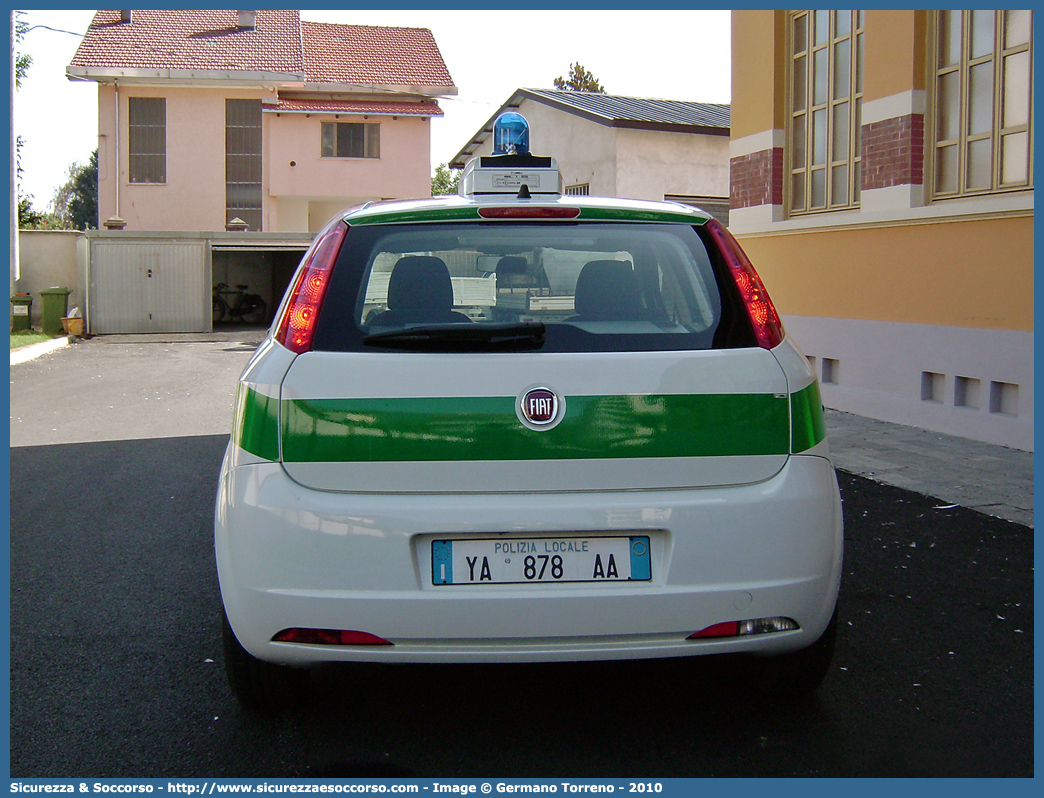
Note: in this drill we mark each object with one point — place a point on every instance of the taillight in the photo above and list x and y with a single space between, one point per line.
768 329
297 326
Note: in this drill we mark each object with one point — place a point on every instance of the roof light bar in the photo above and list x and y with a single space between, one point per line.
511 134
511 169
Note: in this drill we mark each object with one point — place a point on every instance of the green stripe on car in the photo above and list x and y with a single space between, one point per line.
806 418
255 424
487 428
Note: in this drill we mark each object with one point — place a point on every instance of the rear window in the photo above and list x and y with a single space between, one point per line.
595 286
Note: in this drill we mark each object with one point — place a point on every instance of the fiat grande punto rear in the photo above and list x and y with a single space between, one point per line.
513 426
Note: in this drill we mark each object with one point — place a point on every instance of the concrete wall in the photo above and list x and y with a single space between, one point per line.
653 163
585 151
49 258
958 380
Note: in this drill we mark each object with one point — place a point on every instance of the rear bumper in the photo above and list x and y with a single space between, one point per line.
289 556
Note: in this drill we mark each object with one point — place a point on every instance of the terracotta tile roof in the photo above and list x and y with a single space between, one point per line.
366 55
373 108
198 40
318 52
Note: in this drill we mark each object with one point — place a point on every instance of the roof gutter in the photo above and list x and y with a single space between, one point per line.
271 109
380 88
200 77
245 78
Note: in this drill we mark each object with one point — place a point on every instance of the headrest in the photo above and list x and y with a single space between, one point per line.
607 290
420 282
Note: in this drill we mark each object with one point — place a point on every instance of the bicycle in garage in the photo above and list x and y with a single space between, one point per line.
239 306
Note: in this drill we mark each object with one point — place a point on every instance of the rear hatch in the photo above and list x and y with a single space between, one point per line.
407 422
522 356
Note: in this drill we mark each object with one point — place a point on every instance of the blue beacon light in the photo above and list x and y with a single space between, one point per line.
511 134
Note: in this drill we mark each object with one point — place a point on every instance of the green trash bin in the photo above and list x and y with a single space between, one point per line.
21 313
55 308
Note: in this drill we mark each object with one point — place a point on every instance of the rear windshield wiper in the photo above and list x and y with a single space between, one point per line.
462 337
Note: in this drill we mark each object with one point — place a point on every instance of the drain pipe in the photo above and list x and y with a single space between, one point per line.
115 222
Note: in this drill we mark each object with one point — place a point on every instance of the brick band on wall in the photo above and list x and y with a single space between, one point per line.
893 152
756 179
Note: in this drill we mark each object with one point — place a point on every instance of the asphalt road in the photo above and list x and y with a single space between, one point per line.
115 636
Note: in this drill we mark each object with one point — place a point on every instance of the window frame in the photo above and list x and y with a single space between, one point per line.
805 168
342 321
998 133
141 149
371 147
244 163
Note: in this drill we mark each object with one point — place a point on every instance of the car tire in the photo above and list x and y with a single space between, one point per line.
257 313
258 685
798 674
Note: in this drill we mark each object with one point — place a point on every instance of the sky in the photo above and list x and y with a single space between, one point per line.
674 55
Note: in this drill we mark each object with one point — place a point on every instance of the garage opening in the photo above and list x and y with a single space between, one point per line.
248 282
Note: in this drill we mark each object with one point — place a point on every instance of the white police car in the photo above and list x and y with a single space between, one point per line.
516 426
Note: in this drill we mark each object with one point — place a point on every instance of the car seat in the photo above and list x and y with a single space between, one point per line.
419 292
607 290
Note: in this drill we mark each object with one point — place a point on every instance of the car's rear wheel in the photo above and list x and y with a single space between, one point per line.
257 311
799 673
259 685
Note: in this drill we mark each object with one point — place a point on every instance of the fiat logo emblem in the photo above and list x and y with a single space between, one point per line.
539 406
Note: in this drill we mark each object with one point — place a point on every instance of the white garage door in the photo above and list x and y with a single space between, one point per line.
149 286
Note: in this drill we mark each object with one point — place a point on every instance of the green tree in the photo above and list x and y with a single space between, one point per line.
579 80
76 201
445 181
22 60
28 217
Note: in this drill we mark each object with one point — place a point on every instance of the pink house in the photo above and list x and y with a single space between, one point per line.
212 120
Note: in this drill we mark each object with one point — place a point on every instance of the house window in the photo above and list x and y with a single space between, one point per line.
243 162
147 127
579 190
825 88
982 98
351 140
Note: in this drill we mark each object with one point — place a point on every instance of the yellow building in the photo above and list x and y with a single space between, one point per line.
882 184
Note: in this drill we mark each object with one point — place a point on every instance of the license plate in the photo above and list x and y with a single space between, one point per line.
509 561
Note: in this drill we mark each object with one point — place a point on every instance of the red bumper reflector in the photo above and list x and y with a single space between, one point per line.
727 629
529 213
330 637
